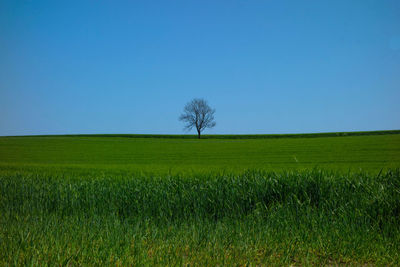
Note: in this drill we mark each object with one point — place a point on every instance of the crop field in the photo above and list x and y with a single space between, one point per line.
166 155
250 200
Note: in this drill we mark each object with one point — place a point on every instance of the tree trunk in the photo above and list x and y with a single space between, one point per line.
198 134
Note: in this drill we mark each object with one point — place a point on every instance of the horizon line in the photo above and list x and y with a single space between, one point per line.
342 133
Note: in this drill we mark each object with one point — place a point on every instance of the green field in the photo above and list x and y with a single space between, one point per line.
164 155
228 200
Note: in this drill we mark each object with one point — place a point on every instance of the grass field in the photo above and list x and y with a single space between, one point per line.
176 201
165 155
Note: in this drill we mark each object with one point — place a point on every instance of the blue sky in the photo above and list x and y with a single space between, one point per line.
266 66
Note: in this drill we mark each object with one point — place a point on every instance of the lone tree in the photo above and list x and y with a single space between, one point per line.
197 113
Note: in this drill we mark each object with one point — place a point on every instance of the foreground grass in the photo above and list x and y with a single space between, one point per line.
88 200
256 217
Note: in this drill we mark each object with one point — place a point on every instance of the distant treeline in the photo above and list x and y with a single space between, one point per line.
230 136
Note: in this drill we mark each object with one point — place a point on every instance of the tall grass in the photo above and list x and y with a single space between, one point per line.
308 217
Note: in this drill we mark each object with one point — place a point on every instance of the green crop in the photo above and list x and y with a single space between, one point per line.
166 156
143 201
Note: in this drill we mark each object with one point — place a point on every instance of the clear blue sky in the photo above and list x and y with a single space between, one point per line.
266 66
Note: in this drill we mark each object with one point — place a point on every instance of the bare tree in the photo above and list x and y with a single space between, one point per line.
197 113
